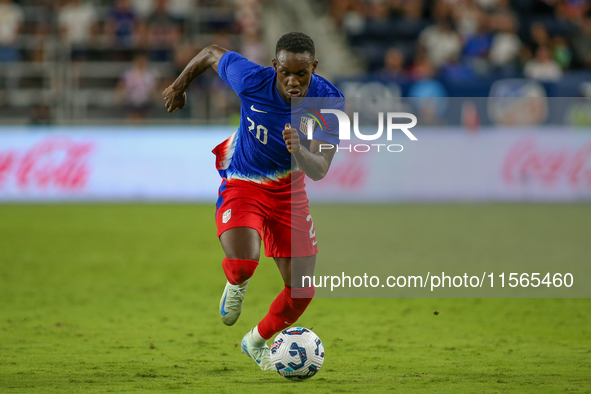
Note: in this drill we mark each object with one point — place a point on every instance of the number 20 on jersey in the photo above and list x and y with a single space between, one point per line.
261 131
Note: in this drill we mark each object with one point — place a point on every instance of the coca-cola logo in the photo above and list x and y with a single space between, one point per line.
350 173
528 163
57 163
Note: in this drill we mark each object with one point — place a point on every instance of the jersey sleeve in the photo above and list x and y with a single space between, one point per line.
238 72
331 133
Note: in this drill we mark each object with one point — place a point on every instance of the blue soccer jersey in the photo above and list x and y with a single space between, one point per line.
257 151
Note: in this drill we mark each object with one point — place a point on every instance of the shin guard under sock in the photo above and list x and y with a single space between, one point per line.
285 311
239 271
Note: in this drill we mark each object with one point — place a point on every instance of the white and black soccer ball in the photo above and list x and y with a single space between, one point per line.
297 353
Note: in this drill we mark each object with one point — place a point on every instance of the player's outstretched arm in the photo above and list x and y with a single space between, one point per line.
314 162
174 95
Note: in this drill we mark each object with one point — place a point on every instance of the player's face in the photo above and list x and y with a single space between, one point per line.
294 73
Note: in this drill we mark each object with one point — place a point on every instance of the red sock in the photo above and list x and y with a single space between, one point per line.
238 271
285 311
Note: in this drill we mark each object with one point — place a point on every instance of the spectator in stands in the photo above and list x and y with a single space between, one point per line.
393 64
143 8
478 44
121 23
538 37
164 32
413 9
543 67
572 10
252 47
181 9
11 20
377 11
338 10
505 43
582 44
77 23
561 52
525 55
441 10
43 41
349 15
46 12
141 36
458 70
421 67
441 42
467 16
490 5
43 44
138 87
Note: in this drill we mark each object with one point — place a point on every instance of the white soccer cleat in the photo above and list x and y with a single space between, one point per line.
259 353
231 302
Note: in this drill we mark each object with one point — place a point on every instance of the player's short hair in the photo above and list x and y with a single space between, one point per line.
296 42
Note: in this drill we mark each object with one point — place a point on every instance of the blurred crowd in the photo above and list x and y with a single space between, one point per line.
418 41
156 37
466 39
116 29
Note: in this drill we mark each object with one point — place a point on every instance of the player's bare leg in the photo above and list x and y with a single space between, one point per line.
241 243
302 266
242 247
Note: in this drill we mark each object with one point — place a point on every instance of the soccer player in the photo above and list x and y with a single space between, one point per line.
262 195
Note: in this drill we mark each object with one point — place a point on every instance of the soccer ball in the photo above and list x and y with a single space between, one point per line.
297 353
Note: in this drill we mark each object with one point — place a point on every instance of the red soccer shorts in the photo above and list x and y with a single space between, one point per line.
279 213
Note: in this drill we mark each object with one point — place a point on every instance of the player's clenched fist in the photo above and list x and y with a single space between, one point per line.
291 138
174 100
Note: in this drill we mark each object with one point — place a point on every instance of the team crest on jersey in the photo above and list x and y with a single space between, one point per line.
306 124
227 216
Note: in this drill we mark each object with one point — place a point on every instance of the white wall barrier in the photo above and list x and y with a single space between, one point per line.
454 165
109 164
159 164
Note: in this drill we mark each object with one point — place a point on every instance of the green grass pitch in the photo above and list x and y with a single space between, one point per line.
124 298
